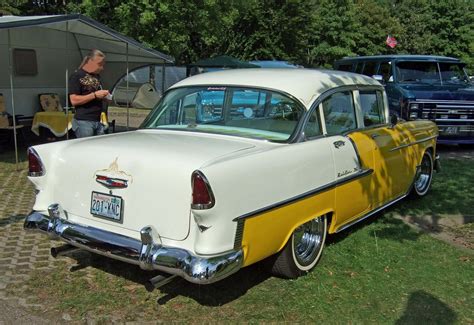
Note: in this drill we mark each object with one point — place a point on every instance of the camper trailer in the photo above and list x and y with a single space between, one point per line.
37 53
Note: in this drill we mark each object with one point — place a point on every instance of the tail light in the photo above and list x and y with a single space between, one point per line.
203 198
35 166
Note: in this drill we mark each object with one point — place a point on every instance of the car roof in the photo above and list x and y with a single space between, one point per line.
400 57
303 84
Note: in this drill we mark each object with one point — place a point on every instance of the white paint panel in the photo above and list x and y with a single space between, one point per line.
276 173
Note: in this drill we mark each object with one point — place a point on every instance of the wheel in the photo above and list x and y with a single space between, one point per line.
423 176
303 250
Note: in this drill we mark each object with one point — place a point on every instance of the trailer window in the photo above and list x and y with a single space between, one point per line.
24 61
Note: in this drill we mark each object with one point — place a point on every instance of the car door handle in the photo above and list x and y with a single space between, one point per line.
374 135
338 144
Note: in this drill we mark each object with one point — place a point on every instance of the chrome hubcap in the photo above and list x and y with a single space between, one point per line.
423 175
308 240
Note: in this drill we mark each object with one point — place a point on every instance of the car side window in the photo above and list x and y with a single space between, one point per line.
369 68
345 67
385 70
313 126
339 113
372 107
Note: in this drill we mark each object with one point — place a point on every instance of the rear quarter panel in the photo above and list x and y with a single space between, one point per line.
248 188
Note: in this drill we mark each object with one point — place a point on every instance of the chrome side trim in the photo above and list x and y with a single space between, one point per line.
413 143
239 234
453 120
333 184
445 101
148 253
371 213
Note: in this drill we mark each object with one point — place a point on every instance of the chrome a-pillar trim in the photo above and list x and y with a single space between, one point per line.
148 252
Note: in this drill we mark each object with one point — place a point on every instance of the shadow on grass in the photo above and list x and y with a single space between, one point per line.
392 228
216 294
423 308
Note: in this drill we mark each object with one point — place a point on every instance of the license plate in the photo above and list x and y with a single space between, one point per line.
451 130
107 206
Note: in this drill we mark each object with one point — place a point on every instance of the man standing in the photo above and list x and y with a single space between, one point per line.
87 96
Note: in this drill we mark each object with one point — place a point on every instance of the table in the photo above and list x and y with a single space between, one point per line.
57 122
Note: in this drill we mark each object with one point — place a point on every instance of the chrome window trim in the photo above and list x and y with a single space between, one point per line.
291 139
319 100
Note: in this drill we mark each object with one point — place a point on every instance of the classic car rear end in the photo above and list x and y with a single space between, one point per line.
231 168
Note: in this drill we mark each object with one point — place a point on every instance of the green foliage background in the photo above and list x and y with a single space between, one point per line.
307 32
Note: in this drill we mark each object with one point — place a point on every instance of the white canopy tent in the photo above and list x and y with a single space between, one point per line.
37 54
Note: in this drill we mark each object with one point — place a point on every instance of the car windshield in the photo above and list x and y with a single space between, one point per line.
428 72
237 111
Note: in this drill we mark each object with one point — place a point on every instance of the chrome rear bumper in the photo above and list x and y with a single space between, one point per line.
148 253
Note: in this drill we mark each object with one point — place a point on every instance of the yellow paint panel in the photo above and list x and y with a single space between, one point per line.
353 199
267 233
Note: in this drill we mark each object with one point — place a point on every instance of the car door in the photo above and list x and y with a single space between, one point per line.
390 166
353 179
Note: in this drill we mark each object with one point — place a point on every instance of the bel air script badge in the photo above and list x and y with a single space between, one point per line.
112 177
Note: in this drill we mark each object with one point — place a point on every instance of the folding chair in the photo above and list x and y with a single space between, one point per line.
50 103
6 122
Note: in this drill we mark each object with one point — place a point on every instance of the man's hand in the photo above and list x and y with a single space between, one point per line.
101 93
83 99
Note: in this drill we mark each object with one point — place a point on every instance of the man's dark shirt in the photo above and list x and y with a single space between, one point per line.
83 83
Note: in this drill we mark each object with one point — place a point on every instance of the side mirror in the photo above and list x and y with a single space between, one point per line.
393 119
378 77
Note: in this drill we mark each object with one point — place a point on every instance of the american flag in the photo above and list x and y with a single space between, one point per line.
391 41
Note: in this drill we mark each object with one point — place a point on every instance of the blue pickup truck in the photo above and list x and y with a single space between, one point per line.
428 87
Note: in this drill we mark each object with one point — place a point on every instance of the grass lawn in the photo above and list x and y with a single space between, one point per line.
381 271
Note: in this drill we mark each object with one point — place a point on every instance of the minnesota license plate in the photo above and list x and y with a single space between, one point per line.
107 206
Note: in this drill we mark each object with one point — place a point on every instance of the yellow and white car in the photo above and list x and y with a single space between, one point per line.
230 168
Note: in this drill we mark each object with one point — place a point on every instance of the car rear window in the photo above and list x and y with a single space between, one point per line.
237 111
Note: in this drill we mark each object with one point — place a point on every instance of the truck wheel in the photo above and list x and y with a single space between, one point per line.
423 176
303 250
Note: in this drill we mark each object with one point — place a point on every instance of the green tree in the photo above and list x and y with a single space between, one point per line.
415 17
11 7
452 27
272 30
375 23
333 32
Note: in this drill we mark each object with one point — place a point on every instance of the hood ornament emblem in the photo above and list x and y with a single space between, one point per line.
112 177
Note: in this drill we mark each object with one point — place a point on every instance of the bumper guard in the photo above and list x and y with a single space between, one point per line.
148 253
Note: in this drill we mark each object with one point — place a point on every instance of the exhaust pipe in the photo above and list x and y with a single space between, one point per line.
63 250
158 281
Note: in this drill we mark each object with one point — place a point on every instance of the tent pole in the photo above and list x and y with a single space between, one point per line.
10 53
163 67
67 83
128 104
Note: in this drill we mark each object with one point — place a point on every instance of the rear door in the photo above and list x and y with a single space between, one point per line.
354 189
